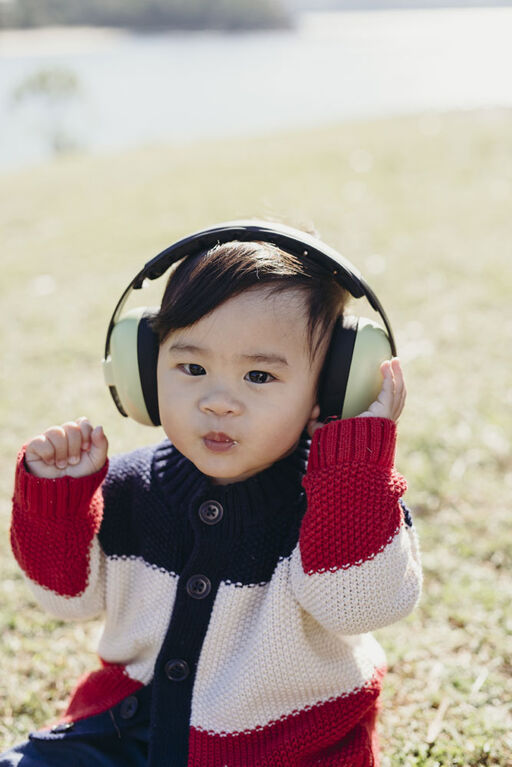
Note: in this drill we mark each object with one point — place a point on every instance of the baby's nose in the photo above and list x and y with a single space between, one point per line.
220 402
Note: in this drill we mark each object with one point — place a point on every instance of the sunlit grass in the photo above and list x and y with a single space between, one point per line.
423 206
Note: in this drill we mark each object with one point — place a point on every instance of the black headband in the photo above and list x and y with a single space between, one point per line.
291 240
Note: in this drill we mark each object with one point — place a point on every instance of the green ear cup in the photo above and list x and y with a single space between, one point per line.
351 379
364 383
122 367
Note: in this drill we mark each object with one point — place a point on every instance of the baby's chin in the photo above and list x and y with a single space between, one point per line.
218 476
230 480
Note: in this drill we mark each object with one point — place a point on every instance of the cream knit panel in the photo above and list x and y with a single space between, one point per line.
364 596
139 600
89 604
264 658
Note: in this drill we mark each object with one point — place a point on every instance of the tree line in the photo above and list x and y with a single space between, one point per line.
148 15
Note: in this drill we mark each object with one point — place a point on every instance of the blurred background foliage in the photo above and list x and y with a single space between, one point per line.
146 14
52 88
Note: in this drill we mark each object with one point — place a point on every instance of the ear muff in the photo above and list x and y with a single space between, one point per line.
351 378
130 369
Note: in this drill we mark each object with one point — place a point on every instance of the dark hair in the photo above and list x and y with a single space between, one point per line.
199 284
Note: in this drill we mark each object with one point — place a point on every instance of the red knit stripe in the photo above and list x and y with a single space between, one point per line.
359 440
353 493
99 690
56 515
340 732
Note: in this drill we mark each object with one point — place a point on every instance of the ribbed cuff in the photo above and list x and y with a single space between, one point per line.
354 440
54 497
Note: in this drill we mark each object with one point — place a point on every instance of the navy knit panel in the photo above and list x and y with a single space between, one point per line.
138 521
152 499
252 559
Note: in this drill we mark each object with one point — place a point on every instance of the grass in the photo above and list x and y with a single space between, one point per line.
422 206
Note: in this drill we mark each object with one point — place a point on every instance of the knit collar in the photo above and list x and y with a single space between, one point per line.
249 501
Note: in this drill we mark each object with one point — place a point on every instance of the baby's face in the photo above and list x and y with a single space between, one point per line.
236 389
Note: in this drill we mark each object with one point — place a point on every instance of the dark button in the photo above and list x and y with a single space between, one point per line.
62 727
128 707
210 512
198 586
176 670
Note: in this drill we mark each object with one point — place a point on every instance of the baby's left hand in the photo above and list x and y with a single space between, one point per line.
391 400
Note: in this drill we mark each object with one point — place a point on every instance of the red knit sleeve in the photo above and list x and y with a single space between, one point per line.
53 524
353 491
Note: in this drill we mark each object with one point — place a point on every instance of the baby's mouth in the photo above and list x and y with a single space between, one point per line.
218 442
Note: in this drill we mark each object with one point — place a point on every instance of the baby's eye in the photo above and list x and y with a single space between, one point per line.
259 377
191 369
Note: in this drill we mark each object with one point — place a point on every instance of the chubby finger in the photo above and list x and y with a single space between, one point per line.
40 449
387 393
386 369
99 448
386 404
73 436
58 438
400 388
98 438
398 375
86 431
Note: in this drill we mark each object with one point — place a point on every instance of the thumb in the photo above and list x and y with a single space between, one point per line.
99 447
98 437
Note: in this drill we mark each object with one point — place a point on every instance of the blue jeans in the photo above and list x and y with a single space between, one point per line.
117 738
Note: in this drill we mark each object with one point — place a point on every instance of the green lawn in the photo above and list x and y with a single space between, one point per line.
423 206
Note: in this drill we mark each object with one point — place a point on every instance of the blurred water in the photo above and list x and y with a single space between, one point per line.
139 89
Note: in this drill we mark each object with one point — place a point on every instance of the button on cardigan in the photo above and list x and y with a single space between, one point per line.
245 609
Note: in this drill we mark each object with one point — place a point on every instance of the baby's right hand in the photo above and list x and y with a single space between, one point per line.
74 449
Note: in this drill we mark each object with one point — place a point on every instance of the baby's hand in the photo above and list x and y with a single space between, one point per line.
391 400
74 449
389 403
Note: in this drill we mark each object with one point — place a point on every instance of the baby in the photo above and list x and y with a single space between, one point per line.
242 562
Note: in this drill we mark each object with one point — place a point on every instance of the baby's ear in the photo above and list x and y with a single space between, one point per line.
313 424
313 416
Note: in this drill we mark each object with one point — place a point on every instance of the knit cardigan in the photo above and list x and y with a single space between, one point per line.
246 607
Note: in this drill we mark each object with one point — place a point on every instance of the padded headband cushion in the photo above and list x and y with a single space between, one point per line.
290 240
147 356
299 243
